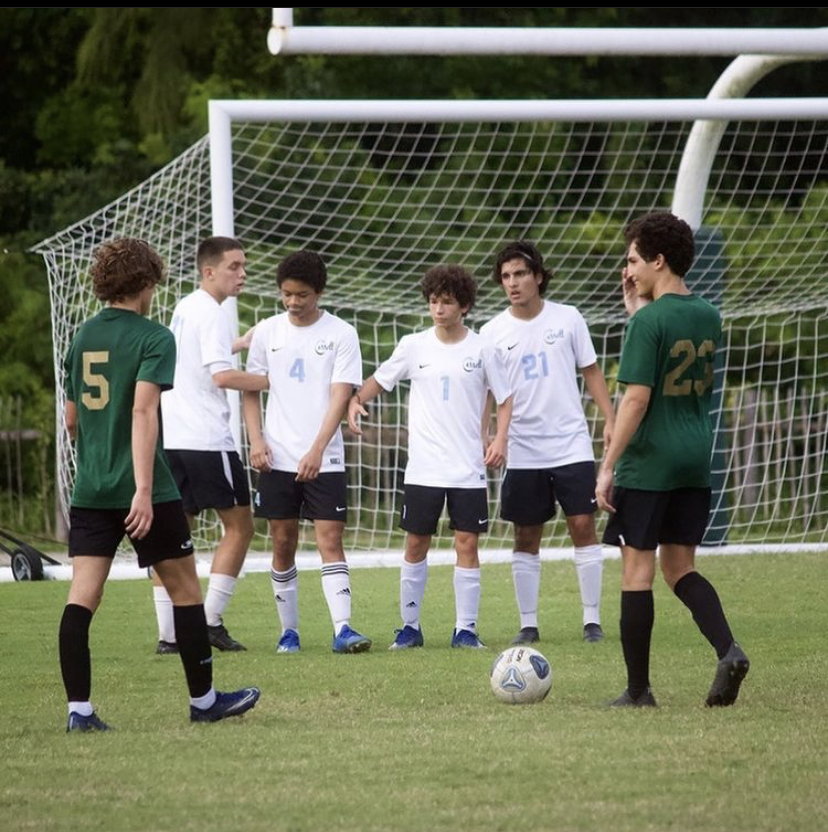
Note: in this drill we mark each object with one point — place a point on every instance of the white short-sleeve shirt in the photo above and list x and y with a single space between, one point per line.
302 362
196 414
449 383
542 356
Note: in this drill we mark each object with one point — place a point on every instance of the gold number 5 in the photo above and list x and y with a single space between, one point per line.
98 399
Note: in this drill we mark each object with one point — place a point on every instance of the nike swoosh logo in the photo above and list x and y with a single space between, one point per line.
481 522
512 347
341 508
276 349
423 366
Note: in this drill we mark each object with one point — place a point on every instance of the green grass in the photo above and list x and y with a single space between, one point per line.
415 740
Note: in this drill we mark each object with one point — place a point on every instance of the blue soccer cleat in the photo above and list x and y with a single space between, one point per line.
467 639
350 641
86 723
227 704
289 642
407 637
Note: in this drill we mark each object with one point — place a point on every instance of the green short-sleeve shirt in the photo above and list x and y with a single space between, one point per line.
109 354
669 347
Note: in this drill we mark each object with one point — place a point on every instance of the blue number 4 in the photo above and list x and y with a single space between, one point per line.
297 371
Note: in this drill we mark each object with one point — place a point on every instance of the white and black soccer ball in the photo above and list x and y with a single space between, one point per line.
520 676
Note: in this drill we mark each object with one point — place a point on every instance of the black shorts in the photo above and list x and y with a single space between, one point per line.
528 496
468 509
97 532
209 479
643 519
280 497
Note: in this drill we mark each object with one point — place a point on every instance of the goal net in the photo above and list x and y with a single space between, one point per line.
382 202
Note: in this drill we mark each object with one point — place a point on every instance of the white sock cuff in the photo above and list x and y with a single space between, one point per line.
526 560
589 554
159 593
466 572
414 570
222 583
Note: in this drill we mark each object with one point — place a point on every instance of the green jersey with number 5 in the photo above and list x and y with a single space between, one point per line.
669 347
108 356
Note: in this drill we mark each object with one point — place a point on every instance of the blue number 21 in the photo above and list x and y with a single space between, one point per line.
297 371
530 366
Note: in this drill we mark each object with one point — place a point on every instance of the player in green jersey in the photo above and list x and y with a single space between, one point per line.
116 367
655 476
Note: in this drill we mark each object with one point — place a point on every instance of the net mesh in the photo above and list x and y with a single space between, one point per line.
384 202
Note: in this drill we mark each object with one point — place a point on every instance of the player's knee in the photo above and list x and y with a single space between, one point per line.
528 539
582 529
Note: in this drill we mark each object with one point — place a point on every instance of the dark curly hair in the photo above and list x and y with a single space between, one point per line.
661 232
123 268
211 250
306 266
530 255
453 281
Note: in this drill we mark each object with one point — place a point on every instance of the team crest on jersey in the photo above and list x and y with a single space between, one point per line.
324 346
551 336
470 365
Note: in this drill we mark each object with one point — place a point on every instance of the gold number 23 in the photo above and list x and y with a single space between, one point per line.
688 353
98 398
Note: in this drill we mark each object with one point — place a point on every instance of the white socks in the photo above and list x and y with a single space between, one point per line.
285 593
413 578
589 564
336 584
164 614
526 573
219 592
466 598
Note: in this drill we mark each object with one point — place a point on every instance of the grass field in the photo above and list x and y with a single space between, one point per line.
415 740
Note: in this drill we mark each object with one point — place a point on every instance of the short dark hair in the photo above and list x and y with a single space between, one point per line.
211 250
661 232
123 268
530 255
306 266
453 281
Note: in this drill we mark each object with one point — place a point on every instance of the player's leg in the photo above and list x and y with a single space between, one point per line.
469 517
325 502
167 548
685 521
575 491
420 513
527 500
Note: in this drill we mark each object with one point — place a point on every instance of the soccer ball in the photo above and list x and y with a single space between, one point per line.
520 676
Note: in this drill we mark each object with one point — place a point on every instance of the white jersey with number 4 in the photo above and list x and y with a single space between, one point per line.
195 413
449 383
302 362
548 427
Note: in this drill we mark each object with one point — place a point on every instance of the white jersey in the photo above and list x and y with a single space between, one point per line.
449 383
196 413
548 427
302 362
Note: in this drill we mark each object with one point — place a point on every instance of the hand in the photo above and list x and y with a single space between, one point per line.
243 341
309 466
139 519
603 489
355 410
495 454
632 301
261 457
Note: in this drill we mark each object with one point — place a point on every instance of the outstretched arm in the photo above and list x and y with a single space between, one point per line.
356 406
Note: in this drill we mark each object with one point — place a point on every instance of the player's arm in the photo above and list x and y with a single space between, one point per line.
242 342
144 441
486 421
597 387
311 462
631 412
356 404
260 456
70 418
240 380
496 452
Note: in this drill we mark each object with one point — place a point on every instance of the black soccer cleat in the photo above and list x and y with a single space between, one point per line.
222 640
166 648
730 671
643 700
593 633
527 635
85 723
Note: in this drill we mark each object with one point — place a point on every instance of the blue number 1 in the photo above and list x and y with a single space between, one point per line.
445 380
297 371
530 366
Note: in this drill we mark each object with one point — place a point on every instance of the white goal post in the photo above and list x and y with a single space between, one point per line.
386 189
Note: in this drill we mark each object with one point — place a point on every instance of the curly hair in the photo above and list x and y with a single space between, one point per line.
453 281
123 268
661 232
528 252
305 266
211 250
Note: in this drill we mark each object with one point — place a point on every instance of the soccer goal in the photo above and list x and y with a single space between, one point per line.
383 199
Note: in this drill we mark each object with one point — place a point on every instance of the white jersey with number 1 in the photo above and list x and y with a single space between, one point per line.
302 362
449 383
